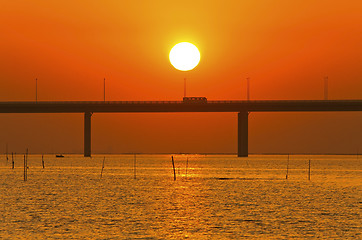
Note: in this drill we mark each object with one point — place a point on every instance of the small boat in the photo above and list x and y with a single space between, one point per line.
59 155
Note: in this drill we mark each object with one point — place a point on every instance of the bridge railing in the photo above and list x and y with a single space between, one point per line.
169 102
127 102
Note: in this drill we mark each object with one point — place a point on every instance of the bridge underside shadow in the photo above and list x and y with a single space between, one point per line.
242 134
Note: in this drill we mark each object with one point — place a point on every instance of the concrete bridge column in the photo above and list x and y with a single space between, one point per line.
243 134
87 134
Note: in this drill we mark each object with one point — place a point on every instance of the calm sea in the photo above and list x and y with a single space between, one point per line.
213 197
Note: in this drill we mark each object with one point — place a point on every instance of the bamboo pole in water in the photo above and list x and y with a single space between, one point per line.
134 166
174 172
42 161
24 169
102 167
26 161
286 176
12 160
7 158
309 170
187 164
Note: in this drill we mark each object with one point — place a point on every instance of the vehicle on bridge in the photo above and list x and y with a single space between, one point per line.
195 100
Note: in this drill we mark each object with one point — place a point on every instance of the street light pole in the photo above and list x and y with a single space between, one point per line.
325 88
184 87
36 90
248 88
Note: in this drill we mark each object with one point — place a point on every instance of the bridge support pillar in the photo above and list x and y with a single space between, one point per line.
243 134
87 134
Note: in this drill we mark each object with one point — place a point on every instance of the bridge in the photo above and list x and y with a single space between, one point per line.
242 108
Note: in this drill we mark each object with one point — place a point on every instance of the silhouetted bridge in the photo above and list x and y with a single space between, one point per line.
241 107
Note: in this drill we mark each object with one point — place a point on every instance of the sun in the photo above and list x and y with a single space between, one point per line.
184 56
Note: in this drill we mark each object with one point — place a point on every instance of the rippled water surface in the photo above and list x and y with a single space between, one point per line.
217 197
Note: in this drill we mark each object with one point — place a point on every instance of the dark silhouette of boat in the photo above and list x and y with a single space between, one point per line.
59 156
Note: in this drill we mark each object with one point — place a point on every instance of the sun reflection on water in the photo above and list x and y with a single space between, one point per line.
221 197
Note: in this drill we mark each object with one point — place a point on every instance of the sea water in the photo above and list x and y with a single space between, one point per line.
213 197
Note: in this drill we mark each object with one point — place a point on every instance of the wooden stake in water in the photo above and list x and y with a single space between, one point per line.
286 176
12 160
309 171
174 172
187 164
102 167
26 162
24 168
134 166
247 163
7 158
42 161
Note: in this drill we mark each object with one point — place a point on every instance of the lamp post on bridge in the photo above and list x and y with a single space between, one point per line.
326 88
184 87
36 90
248 88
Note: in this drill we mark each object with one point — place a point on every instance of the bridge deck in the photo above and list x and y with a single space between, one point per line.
179 106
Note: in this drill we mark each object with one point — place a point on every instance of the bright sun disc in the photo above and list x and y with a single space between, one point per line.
184 56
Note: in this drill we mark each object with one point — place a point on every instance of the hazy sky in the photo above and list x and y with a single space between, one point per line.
285 47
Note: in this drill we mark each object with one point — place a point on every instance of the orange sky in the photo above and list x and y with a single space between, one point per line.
285 47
